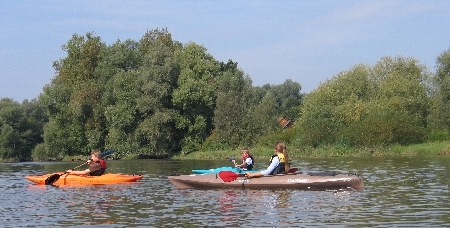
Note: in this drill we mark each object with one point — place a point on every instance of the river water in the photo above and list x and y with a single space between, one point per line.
399 192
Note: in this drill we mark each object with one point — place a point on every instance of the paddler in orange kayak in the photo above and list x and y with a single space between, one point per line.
97 165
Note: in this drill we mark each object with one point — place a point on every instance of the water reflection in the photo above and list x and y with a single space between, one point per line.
234 203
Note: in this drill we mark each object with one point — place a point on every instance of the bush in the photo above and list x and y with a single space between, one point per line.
39 153
437 136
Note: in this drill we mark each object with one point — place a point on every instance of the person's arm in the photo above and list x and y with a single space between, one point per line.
243 165
272 166
83 172
247 162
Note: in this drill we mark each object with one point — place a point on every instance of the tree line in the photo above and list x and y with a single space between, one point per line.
156 97
152 98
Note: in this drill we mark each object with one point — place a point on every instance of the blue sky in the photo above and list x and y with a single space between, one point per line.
307 41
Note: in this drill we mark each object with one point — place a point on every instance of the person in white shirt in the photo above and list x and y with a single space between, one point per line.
247 160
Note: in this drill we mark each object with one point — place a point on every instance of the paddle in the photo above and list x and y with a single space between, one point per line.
228 176
55 177
233 160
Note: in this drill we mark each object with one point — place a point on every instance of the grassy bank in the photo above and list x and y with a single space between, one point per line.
429 148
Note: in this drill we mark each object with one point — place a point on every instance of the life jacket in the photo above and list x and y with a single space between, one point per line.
249 167
102 170
280 168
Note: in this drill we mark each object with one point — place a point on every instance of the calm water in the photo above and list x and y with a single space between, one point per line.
400 192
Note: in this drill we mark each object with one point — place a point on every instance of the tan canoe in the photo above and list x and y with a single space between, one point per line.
301 181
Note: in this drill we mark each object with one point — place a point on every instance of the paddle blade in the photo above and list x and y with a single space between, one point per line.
52 178
292 170
107 152
228 176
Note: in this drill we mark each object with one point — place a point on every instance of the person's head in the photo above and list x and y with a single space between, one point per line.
95 155
245 153
280 147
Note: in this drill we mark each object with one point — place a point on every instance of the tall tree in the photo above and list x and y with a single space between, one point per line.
79 86
157 78
366 100
32 126
439 118
139 111
288 98
232 108
22 128
195 96
11 118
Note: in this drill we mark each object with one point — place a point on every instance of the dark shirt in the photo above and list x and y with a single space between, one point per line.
95 168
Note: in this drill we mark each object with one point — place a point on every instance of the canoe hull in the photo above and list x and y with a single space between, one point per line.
298 181
65 179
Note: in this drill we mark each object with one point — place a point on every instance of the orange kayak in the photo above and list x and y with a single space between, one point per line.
66 179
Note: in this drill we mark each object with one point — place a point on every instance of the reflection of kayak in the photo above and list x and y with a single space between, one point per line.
232 169
301 181
66 179
226 168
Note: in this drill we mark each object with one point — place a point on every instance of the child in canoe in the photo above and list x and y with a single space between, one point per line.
247 160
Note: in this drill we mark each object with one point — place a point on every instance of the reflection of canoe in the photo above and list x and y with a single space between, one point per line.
226 168
66 179
301 181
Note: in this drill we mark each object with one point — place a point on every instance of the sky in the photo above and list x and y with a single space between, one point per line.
307 41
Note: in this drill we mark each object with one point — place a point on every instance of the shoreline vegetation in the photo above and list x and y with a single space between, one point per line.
423 149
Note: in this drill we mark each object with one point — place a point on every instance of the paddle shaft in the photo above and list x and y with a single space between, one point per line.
81 165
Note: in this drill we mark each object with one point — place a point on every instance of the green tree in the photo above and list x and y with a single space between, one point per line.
11 118
139 112
195 96
58 141
232 109
120 111
10 143
383 104
158 76
78 89
32 127
21 126
288 98
262 119
403 83
439 118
